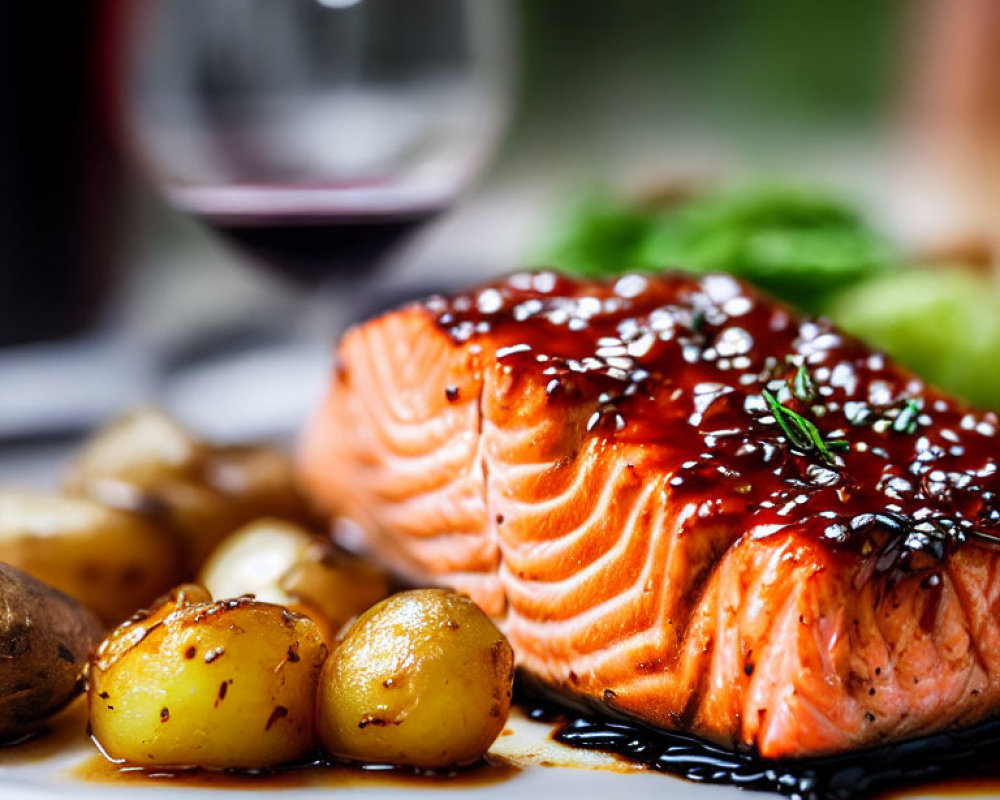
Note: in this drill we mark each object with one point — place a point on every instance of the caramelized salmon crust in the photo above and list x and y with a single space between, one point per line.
680 498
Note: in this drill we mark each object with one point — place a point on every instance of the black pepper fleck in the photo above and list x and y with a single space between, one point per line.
278 713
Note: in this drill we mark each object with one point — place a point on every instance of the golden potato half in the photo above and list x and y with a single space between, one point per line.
423 679
199 492
197 683
281 562
144 448
112 561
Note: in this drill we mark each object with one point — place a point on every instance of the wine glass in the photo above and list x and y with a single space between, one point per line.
315 135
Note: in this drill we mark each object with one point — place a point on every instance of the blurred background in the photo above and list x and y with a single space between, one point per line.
196 196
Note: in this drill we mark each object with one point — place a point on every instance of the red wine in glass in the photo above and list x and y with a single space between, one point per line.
311 235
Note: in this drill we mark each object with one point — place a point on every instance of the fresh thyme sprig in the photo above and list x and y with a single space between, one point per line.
801 433
803 386
906 420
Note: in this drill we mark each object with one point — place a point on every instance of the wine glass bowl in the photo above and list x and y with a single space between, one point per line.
316 134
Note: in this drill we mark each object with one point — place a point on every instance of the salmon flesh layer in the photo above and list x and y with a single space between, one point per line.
681 501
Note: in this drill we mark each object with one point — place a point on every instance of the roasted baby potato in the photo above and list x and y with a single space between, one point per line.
238 484
112 561
196 514
254 559
261 479
143 448
149 464
335 584
45 639
197 683
423 678
281 562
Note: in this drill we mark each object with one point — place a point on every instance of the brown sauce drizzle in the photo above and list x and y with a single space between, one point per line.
314 773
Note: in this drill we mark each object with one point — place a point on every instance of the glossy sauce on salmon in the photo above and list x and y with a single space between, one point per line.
685 362
683 502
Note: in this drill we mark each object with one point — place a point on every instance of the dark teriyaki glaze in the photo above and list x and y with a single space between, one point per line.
792 423
966 755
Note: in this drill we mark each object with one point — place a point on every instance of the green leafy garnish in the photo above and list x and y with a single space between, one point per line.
906 420
801 433
798 244
803 386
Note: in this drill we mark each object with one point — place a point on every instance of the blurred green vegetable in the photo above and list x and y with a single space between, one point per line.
943 323
602 237
800 245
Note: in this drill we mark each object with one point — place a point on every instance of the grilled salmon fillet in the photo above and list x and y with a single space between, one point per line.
681 501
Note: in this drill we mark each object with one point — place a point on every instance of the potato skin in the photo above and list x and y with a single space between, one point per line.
111 561
207 684
45 639
281 562
423 679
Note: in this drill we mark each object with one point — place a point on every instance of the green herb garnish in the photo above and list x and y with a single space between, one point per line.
801 433
697 320
803 386
906 420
